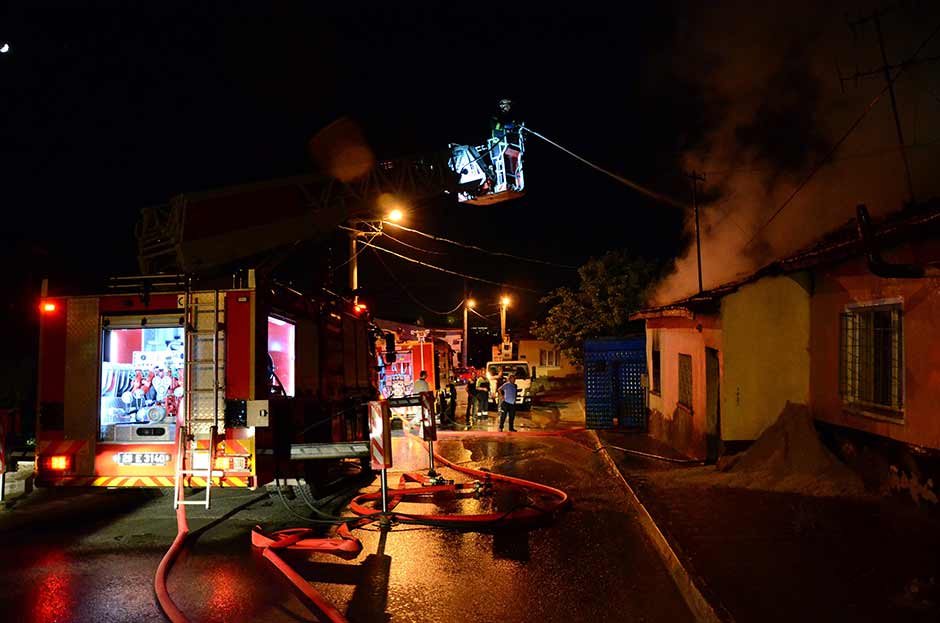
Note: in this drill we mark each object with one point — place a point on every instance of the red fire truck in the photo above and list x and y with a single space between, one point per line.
201 374
246 372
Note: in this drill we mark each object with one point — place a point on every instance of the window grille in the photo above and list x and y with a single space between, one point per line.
871 357
657 371
685 380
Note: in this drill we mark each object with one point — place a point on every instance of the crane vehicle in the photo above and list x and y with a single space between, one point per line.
211 369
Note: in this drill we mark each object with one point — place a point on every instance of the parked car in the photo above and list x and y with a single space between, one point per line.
465 375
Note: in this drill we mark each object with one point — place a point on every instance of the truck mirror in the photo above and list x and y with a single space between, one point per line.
390 355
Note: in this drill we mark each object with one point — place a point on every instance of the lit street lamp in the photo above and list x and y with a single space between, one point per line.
503 304
468 304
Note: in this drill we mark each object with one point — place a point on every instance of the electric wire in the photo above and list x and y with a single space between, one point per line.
452 272
358 251
411 246
408 292
652 194
486 318
838 143
480 249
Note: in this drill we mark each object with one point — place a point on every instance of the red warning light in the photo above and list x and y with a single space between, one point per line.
47 307
360 308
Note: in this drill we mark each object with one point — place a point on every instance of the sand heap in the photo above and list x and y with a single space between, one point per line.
788 456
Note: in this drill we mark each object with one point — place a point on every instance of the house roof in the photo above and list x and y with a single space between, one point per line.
917 221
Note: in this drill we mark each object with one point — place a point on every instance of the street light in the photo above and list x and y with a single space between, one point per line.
468 304
503 304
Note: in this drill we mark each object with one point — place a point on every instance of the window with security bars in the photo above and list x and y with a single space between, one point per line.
871 358
685 380
657 371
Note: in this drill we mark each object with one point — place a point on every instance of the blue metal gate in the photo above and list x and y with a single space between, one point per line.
613 382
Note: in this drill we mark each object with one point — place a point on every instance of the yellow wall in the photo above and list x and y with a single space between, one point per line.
766 326
529 350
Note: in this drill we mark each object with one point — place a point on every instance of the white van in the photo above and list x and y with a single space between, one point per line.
523 373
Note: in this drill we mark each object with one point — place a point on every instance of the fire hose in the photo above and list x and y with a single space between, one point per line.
347 546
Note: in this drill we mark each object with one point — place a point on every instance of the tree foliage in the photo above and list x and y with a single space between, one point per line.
612 287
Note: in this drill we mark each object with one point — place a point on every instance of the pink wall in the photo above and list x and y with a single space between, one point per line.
851 282
671 422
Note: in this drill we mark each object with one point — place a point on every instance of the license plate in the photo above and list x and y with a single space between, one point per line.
142 458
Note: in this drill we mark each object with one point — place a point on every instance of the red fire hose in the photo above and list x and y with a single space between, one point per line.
347 546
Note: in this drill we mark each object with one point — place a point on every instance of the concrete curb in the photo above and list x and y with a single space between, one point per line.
703 611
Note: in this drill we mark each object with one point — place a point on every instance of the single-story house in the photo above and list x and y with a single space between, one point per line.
837 326
546 359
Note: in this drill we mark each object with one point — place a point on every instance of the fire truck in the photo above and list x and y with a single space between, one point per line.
212 368
243 374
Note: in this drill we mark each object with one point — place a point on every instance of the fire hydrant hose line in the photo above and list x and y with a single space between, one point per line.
159 582
345 545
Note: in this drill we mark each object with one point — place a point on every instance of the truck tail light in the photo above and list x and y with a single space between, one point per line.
58 463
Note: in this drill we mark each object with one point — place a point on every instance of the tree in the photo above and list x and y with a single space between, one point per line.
612 287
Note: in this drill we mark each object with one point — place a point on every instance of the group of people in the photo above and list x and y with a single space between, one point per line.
478 400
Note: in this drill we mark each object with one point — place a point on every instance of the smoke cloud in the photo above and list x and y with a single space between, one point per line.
771 76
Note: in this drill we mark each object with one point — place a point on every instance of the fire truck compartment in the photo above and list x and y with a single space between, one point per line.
142 367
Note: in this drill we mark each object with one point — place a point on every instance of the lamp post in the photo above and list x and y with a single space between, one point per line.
465 346
503 304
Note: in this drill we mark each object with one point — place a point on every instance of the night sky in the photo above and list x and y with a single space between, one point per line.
110 111
106 111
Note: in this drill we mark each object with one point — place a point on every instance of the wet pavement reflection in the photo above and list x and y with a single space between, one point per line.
590 562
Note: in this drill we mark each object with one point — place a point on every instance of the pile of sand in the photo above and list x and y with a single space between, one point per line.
788 456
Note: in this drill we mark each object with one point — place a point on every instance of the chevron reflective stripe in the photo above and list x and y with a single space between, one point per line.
62 447
235 446
146 481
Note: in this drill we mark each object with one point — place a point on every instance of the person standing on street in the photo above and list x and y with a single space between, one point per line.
483 395
471 402
421 385
507 407
451 403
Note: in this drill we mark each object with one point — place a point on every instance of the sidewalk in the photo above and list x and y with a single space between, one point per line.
755 554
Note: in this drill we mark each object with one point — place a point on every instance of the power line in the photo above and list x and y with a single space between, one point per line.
411 246
411 296
351 258
451 272
480 249
486 318
652 194
835 147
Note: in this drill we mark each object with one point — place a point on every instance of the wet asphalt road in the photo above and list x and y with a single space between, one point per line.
91 555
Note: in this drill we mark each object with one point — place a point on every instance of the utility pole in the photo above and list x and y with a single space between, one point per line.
885 69
353 266
468 303
696 178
